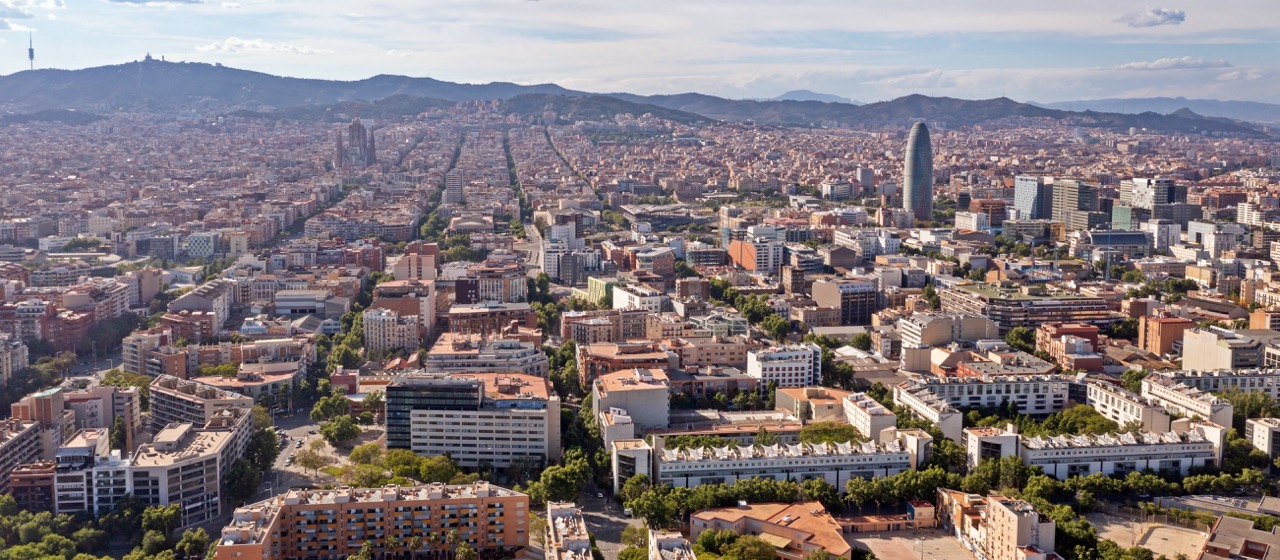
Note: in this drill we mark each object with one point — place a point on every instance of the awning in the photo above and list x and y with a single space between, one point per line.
775 540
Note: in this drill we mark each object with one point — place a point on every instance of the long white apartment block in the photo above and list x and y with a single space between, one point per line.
1119 454
1033 394
1123 406
1187 401
836 463
1219 381
923 403
868 416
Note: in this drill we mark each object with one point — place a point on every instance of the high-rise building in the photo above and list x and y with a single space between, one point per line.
857 298
1032 197
1149 193
1071 197
917 174
453 181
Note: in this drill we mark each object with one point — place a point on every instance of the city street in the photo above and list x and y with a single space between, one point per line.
605 520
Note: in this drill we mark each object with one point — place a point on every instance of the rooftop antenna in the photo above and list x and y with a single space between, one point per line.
31 51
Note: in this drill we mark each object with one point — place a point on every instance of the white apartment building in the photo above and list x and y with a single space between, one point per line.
834 463
567 537
1123 407
925 404
1033 394
1187 401
385 330
868 416
1264 435
644 393
477 418
203 244
630 297
792 365
1119 454
184 465
19 444
1219 381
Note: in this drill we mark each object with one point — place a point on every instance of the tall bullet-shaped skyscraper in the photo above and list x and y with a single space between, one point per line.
917 174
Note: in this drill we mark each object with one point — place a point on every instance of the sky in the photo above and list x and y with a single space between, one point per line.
1029 50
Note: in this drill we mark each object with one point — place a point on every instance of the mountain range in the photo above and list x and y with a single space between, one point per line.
1240 110
186 88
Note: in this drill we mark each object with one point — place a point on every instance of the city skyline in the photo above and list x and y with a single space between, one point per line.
1090 50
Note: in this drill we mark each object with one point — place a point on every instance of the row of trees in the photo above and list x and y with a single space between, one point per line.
26 535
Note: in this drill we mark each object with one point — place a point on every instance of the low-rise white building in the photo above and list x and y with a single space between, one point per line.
1264 435
1033 394
1187 401
868 416
924 404
1123 407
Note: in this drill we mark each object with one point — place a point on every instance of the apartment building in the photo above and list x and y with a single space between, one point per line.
643 394
836 463
476 418
1027 305
567 537
134 348
501 280
796 530
13 357
1264 435
595 360
792 365
869 417
1187 401
1216 348
924 403
857 299
669 545
1220 381
177 401
19 444
1125 407
461 353
335 524
1033 394
489 318
1015 532
634 296
183 465
100 406
385 330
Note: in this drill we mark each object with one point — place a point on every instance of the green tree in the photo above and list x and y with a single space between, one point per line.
162 519
1022 338
776 327
861 341
465 551
749 547
1132 379
341 430
821 490
764 438
194 543
367 454
118 434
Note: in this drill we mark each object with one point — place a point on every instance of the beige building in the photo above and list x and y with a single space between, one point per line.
385 330
998 527
19 444
334 524
868 416
796 530
812 404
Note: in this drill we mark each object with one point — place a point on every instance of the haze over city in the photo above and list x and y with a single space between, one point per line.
866 51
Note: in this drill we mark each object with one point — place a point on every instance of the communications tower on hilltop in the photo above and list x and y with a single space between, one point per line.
31 51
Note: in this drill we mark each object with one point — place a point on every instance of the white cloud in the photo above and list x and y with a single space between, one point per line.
1153 17
232 5
150 2
1180 63
9 11
238 45
394 52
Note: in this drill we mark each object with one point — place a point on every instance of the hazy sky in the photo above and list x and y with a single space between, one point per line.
1036 50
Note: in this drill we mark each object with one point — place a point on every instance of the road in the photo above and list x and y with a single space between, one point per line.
605 520
534 247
